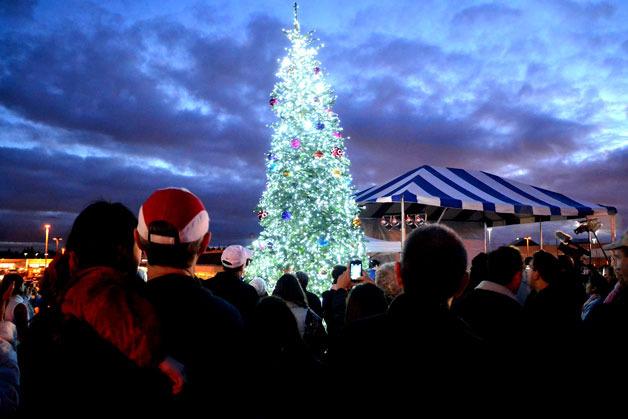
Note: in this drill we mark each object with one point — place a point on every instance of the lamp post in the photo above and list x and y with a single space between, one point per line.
57 240
527 239
47 227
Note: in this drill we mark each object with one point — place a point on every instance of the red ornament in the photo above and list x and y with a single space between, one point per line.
318 154
337 152
262 214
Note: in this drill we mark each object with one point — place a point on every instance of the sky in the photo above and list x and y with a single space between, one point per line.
112 100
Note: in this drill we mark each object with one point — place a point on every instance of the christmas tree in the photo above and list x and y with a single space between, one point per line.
308 215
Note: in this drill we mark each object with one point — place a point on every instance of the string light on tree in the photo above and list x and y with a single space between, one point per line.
311 221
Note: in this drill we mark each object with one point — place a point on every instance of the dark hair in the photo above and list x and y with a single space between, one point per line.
434 263
365 300
289 289
175 256
503 264
102 235
598 282
274 326
337 271
303 279
546 265
9 279
479 270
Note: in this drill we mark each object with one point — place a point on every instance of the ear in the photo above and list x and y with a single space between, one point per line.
136 236
73 262
398 277
463 285
206 238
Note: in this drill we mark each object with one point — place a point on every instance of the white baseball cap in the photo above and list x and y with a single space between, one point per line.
235 256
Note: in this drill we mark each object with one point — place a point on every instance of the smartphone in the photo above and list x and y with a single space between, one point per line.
356 270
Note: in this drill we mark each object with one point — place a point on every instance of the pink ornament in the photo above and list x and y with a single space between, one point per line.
273 101
295 143
337 152
337 134
318 154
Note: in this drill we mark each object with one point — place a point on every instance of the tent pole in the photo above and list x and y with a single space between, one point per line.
403 222
541 233
441 215
485 238
613 227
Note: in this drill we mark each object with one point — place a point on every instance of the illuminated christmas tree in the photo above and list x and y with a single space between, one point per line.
308 215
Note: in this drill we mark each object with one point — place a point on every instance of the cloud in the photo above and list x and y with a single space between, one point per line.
17 9
485 13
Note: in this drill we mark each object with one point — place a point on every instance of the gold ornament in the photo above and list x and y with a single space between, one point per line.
336 172
356 222
286 173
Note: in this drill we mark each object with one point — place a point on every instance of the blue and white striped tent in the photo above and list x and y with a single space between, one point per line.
449 194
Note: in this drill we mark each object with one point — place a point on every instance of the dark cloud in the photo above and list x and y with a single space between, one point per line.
485 13
17 9
590 10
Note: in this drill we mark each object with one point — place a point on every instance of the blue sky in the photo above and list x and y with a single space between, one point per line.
114 100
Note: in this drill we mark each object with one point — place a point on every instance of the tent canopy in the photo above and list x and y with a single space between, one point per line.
452 194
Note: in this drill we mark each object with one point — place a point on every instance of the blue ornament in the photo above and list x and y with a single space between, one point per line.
286 215
271 156
322 242
320 126
269 245
273 167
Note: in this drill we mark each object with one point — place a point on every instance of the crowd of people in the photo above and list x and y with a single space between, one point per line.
424 334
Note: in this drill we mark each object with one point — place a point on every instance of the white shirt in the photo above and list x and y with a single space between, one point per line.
495 287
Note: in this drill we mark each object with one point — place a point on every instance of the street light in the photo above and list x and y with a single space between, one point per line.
57 240
527 239
47 227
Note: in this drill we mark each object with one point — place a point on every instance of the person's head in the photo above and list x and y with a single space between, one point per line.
173 228
102 235
433 264
336 272
505 267
596 284
235 258
545 270
273 325
479 269
365 300
289 289
12 280
260 286
303 279
386 280
620 258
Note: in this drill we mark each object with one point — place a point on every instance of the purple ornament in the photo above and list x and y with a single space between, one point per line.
317 70
337 134
320 126
273 101
295 143
286 215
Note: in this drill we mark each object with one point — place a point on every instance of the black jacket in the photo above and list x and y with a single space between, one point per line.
231 287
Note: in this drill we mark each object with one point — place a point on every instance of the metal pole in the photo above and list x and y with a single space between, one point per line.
403 222
485 240
541 232
47 226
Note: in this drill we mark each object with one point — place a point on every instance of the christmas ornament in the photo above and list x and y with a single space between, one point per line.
322 241
273 101
286 173
318 154
269 245
336 173
317 70
337 152
286 215
262 214
295 143
273 167
337 134
356 222
271 156
320 126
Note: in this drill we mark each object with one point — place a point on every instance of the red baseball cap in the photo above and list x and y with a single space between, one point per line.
172 216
